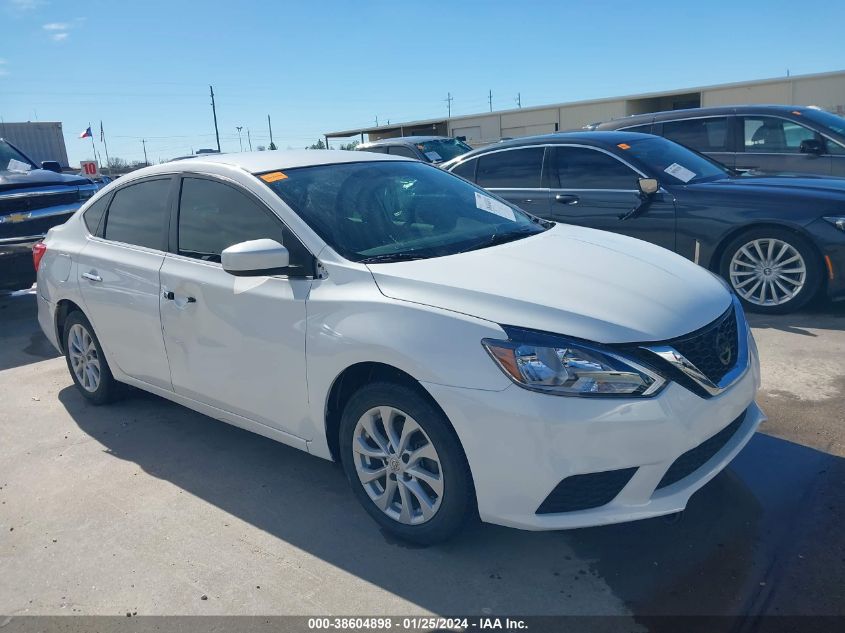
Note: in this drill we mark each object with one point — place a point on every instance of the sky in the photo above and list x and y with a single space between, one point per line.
144 68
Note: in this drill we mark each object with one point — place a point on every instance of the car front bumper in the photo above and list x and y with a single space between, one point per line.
520 445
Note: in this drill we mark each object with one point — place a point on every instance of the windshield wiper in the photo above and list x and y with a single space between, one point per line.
386 258
500 238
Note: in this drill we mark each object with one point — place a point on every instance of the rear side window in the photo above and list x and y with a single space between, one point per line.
214 216
401 150
93 216
511 169
466 169
138 214
584 168
702 135
378 149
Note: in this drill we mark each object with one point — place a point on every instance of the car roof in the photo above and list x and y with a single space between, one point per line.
762 108
404 140
596 139
257 162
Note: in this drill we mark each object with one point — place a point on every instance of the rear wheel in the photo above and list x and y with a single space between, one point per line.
405 464
86 361
772 270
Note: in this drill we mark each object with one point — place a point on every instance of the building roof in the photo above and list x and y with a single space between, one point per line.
646 95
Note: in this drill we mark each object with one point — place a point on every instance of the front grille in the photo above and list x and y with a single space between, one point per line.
582 492
714 348
696 457
23 204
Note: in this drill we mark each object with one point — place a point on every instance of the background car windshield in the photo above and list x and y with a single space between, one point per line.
673 163
7 153
446 149
834 122
381 209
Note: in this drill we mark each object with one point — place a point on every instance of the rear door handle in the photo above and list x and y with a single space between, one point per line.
566 198
92 277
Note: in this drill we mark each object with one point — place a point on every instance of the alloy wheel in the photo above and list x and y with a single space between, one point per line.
767 272
398 465
84 359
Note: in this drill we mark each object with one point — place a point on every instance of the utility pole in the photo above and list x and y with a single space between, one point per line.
144 143
249 138
490 99
518 99
240 142
270 125
376 120
214 111
448 101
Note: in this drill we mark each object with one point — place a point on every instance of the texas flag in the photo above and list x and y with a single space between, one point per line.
86 133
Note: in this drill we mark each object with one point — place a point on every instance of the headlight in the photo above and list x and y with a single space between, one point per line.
87 191
837 220
571 368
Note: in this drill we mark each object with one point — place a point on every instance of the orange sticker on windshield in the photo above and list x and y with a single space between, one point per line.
273 176
623 146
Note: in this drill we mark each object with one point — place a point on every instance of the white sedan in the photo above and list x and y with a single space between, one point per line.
459 357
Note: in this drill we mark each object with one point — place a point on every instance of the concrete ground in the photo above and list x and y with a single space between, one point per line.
146 507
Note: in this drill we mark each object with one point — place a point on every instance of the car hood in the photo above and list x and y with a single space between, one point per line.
782 184
568 280
37 178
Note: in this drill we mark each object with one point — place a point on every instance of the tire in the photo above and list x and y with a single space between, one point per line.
447 511
81 345
782 252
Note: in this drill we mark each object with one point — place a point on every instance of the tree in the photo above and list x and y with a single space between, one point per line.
318 145
349 146
260 148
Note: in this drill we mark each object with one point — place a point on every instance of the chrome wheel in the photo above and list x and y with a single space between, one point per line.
397 465
84 359
768 272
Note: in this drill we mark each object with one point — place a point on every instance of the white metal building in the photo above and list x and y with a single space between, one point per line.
826 90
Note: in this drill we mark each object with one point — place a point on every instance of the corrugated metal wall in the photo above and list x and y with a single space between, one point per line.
38 140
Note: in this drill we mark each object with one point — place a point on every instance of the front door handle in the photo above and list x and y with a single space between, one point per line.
92 277
566 198
168 295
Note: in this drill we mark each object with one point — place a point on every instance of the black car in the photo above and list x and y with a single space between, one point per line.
777 239
32 200
429 149
763 138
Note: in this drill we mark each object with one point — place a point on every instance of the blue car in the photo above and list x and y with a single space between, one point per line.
778 240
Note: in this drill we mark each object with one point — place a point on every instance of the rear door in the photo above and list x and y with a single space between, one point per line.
708 135
592 187
235 343
773 144
517 176
119 279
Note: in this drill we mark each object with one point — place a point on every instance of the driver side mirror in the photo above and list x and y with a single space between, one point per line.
51 165
648 186
256 258
812 146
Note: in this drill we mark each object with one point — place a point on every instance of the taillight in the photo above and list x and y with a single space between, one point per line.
38 251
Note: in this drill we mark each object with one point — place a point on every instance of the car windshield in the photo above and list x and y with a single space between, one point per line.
9 154
672 162
443 149
832 121
381 211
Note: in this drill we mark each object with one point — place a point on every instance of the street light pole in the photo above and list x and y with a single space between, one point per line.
240 142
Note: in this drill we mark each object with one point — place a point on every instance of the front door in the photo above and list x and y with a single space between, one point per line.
235 343
119 279
516 176
593 188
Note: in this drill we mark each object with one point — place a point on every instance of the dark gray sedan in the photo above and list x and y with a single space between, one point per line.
778 240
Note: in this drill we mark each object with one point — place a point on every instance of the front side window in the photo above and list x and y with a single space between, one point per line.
391 210
702 135
401 150
511 169
585 168
214 216
138 214
775 136
466 169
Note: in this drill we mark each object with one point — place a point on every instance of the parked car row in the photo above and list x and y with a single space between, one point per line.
460 357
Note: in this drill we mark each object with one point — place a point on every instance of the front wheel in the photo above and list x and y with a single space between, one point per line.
772 271
405 463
